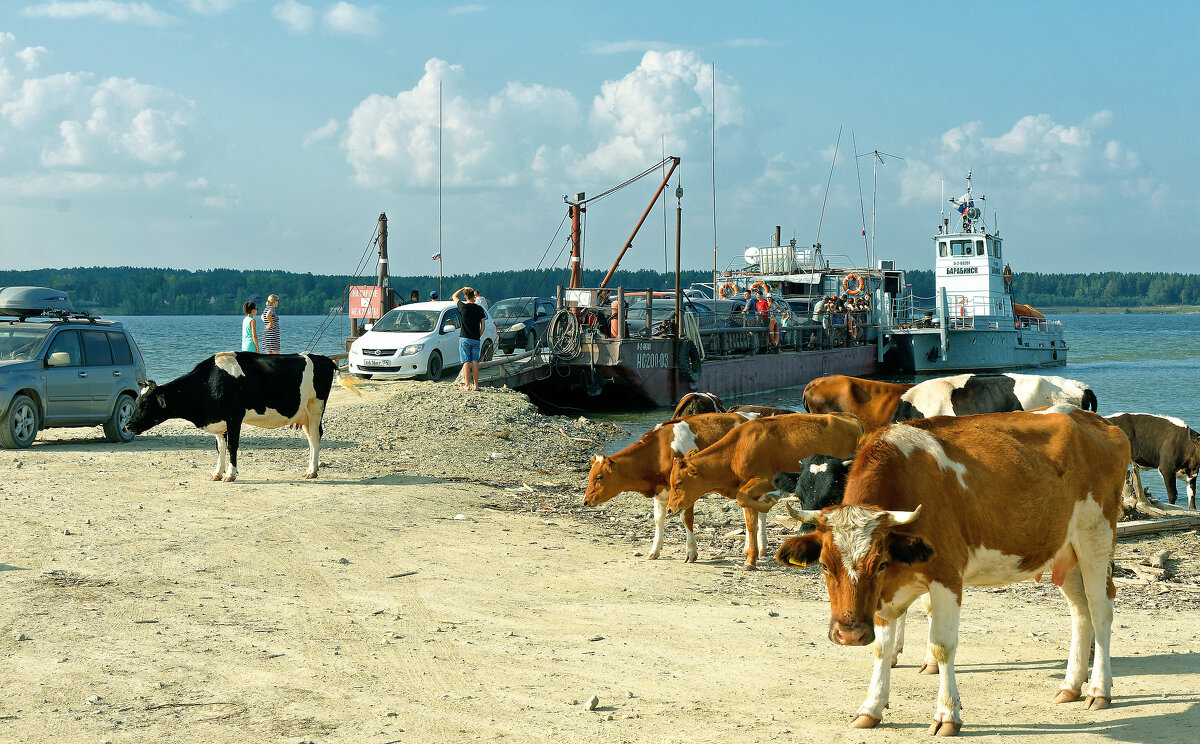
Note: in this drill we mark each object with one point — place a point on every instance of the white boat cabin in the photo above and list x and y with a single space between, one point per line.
969 266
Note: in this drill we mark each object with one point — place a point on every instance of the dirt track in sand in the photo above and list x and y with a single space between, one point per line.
157 606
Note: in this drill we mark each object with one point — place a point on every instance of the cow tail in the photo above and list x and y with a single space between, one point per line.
1089 400
348 382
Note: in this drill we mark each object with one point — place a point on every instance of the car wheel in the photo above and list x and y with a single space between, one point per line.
114 428
487 352
20 423
435 365
530 340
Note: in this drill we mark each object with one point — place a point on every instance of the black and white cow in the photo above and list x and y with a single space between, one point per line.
236 387
1165 444
964 395
695 403
821 481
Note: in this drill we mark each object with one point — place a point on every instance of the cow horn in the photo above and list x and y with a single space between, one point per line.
807 516
897 518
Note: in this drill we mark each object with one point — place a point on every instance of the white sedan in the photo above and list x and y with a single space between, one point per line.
417 339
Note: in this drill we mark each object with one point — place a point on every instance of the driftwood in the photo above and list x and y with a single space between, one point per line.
1161 517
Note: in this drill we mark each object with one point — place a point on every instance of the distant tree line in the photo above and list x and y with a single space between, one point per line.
137 291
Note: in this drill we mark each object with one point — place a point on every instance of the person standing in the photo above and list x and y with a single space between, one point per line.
470 337
249 327
413 296
270 318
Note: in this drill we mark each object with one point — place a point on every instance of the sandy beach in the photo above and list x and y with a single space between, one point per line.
441 582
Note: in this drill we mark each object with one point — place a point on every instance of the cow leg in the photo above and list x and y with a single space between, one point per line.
660 519
751 539
887 638
1081 637
1168 476
945 604
233 434
1191 488
900 624
221 452
1097 584
929 665
689 527
312 429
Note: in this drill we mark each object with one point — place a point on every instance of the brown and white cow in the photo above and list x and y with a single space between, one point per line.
1165 444
644 466
742 465
938 504
694 403
872 401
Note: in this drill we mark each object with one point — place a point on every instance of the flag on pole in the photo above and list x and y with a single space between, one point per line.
437 256
864 233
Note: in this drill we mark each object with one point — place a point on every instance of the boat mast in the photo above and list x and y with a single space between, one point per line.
384 280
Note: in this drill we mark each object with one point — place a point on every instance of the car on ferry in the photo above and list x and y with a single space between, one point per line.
62 368
522 322
416 340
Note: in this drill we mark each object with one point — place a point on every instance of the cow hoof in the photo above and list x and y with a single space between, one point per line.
1066 696
310 475
945 728
1097 703
895 662
652 557
864 720
928 669
229 478
216 476
690 559
749 567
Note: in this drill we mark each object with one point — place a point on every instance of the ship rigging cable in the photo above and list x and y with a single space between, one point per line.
327 323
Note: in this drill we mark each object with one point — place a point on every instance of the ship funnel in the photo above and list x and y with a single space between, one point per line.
777 229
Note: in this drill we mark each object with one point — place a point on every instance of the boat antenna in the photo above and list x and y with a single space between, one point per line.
861 209
439 253
714 175
828 181
878 157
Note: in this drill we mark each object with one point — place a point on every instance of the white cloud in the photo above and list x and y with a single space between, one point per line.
297 17
466 9
625 47
159 179
347 18
31 57
322 133
142 14
210 7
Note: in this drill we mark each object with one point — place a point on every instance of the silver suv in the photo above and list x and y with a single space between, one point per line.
59 367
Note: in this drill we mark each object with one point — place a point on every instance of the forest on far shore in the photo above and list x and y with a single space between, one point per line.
128 290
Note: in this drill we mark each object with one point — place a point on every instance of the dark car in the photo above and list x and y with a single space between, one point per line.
63 368
522 322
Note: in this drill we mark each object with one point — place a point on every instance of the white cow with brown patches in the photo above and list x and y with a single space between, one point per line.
934 505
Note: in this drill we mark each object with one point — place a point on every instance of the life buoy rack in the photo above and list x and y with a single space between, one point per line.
728 291
773 332
760 287
854 280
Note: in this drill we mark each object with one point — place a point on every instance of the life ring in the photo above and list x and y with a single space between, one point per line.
760 287
689 360
729 290
962 307
854 279
773 332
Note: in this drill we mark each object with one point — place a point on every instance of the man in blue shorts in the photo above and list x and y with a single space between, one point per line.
470 333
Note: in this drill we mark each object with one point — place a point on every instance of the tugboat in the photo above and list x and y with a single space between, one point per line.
972 322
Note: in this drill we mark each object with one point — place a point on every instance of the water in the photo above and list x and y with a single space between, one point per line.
173 344
1135 363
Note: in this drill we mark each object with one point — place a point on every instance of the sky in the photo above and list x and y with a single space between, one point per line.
268 134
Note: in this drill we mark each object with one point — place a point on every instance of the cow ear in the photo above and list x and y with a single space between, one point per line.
691 452
909 548
799 550
161 400
691 470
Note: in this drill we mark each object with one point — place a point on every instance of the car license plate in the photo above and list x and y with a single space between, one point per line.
375 362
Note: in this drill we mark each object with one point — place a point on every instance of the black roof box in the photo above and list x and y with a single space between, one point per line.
23 302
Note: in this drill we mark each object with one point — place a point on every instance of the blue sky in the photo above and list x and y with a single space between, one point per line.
263 134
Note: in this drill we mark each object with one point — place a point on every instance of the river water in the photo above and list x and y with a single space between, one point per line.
1135 363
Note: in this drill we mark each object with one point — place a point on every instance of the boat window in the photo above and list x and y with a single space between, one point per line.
942 248
978 247
961 248
996 246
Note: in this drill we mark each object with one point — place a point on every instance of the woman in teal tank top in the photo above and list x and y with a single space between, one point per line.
250 327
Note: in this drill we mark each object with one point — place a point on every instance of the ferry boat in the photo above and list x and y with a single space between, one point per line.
972 322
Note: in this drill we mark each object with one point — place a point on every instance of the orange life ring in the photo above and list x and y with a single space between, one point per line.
760 287
728 291
858 284
773 332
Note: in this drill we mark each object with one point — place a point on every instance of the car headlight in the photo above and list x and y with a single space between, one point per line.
516 327
413 349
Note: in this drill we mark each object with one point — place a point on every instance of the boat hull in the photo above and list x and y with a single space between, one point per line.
919 351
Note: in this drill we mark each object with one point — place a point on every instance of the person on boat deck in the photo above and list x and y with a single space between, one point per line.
763 306
250 327
748 308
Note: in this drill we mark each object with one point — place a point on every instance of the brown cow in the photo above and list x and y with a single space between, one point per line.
743 464
694 403
644 466
872 401
937 504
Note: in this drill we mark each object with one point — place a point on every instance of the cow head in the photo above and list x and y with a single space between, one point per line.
687 486
695 403
821 481
149 410
863 558
602 486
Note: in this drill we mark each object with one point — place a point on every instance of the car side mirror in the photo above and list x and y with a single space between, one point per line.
59 359
448 328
